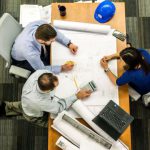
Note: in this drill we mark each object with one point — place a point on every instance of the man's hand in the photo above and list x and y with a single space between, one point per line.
73 48
83 94
104 63
67 67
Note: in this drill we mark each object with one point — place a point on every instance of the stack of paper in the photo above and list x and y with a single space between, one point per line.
30 13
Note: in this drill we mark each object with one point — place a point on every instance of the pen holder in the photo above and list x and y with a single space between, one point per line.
62 10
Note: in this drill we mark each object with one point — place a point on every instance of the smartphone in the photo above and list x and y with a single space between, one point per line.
89 86
119 35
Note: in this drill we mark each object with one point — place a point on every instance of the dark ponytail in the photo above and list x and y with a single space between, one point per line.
133 57
145 66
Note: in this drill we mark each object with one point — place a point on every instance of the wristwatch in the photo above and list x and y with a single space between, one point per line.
106 70
69 43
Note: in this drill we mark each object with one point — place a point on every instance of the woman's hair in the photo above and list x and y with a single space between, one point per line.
45 32
46 81
133 58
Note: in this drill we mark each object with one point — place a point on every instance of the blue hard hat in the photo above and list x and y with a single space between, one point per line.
105 11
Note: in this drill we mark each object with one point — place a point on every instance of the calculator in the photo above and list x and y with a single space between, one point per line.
89 86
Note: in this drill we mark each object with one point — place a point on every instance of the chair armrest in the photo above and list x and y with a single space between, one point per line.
19 71
146 99
133 93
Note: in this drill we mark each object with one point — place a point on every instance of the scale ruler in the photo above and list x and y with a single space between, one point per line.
87 131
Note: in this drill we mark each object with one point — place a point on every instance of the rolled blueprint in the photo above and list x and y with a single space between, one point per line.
77 137
83 111
74 133
64 144
82 27
68 130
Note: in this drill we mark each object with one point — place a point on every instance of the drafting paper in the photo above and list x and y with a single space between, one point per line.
82 27
92 47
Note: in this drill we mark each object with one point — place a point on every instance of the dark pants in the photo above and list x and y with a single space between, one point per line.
15 109
25 64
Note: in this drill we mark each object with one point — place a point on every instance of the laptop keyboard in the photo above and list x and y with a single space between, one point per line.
113 118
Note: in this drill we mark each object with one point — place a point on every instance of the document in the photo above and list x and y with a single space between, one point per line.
92 47
30 13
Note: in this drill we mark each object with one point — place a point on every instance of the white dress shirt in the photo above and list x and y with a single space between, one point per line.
35 102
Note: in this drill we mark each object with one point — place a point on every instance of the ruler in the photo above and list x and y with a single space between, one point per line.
87 131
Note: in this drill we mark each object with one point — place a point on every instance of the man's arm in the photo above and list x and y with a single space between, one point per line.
37 64
61 38
56 107
65 41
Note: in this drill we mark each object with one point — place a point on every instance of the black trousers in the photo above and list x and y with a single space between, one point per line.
26 65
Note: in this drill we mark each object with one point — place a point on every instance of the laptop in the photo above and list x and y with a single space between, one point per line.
113 120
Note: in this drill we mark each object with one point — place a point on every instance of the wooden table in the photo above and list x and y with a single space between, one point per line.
84 12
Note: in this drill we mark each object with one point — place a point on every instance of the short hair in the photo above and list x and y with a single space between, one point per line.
46 81
45 32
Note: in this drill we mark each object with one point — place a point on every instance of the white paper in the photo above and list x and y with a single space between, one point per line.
88 116
66 129
92 47
46 13
82 27
30 13
79 138
89 144
64 144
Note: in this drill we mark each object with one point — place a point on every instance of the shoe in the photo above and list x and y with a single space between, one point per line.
2 108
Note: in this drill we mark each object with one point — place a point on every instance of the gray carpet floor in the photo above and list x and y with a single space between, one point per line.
17 134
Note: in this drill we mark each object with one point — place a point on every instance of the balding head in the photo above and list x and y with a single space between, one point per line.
47 82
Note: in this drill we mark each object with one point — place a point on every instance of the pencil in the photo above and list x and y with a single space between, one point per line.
76 83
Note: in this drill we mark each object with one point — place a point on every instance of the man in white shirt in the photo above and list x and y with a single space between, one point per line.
37 99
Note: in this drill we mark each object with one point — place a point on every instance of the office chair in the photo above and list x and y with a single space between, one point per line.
9 30
133 94
146 99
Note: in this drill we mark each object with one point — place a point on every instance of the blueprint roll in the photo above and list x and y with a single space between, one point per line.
64 144
83 111
67 130
82 27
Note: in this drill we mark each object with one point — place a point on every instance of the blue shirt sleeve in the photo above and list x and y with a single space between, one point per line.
61 38
124 79
36 62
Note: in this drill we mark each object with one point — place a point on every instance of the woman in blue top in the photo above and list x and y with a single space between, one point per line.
137 69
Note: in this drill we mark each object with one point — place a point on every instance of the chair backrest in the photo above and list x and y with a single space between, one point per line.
9 30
